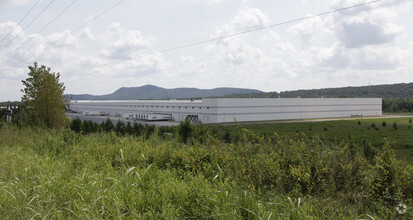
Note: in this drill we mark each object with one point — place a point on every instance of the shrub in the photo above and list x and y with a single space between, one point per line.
107 125
120 128
185 130
104 175
76 125
227 137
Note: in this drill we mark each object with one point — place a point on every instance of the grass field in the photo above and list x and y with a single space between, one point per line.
356 130
49 174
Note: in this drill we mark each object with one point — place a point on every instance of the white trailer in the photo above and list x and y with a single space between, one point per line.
94 113
127 115
156 117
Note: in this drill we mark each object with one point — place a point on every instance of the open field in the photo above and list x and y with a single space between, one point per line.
371 130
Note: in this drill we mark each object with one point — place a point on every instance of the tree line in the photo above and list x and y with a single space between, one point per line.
390 91
397 105
184 132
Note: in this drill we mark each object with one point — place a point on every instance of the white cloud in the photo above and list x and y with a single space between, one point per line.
247 18
354 47
9 33
307 29
367 25
62 39
124 43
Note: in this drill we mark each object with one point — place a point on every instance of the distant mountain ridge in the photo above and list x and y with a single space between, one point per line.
154 92
386 91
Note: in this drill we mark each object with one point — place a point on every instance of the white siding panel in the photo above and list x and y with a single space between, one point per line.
220 110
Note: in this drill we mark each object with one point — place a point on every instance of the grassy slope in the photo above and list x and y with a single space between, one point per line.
402 138
49 174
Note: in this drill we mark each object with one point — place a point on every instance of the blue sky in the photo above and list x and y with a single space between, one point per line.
124 47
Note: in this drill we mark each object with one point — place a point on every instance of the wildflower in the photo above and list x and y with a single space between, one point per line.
401 208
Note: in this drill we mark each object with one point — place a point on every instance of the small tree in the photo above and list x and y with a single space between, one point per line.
129 128
107 125
185 130
120 128
76 125
227 137
44 100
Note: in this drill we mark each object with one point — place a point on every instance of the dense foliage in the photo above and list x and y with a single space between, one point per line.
52 174
391 91
43 98
398 105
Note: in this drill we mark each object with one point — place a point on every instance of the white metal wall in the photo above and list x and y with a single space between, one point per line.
295 108
242 109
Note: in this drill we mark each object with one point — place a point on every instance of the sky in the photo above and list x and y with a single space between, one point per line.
98 46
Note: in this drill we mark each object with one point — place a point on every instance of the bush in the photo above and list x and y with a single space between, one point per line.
227 137
76 125
185 130
104 175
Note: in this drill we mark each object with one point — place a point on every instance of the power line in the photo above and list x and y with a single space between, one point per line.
268 26
80 27
34 19
20 21
54 19
238 33
42 29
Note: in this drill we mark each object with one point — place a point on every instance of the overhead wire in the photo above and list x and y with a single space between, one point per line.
41 30
33 20
57 16
235 34
80 27
21 20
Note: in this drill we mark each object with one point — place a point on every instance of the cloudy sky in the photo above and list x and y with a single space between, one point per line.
99 46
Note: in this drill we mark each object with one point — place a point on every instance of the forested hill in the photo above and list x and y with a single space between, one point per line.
391 91
154 92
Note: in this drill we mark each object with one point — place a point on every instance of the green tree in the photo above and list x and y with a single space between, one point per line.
107 125
185 130
227 137
44 100
76 125
120 128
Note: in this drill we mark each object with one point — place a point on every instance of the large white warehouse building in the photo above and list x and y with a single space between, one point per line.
221 110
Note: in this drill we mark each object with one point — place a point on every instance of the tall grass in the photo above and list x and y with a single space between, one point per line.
51 174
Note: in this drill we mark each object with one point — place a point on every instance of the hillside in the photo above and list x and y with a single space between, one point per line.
390 91
154 92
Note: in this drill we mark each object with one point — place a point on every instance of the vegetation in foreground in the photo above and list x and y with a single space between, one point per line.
63 174
360 132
